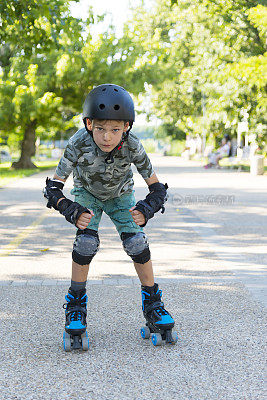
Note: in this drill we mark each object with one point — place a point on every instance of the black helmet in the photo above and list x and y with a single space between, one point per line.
109 101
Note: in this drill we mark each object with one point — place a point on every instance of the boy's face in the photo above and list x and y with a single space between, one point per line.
107 134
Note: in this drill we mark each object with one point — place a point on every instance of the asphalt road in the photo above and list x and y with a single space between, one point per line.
209 254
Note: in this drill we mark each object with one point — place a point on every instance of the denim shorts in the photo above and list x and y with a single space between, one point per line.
117 209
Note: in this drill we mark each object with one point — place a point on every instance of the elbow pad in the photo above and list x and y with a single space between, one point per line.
53 192
154 201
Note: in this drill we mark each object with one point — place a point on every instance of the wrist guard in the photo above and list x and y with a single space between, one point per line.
153 202
70 209
53 192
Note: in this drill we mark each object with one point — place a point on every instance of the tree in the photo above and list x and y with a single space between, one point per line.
33 37
201 56
48 63
250 75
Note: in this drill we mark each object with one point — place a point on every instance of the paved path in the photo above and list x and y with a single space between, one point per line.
208 253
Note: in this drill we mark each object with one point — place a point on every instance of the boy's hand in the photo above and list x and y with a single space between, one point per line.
138 217
84 219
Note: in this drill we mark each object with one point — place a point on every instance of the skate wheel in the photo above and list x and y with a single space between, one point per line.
145 332
175 337
85 341
66 341
156 339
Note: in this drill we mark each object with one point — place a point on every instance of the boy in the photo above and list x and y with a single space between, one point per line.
100 157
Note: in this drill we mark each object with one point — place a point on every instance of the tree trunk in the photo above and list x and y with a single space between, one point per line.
27 148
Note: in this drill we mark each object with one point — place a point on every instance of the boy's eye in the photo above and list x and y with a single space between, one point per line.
115 130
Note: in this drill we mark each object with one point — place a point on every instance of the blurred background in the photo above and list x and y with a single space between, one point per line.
197 71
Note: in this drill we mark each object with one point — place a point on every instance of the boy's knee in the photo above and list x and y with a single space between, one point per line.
136 246
85 246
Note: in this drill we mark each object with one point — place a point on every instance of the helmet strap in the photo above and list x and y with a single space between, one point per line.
110 159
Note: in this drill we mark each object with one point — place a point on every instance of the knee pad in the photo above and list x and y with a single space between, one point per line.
85 246
136 246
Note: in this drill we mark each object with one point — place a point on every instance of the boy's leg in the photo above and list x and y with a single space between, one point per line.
79 276
157 317
133 238
136 246
79 272
85 244
84 248
145 273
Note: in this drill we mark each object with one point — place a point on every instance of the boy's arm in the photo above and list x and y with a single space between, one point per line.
140 158
53 191
154 201
58 178
72 211
152 179
138 217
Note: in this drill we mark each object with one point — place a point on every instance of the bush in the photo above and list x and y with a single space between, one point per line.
150 145
176 148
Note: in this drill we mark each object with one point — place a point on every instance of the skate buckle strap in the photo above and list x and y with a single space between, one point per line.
74 302
75 306
157 305
75 312
71 299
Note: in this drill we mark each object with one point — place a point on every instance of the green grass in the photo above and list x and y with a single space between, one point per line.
8 174
241 165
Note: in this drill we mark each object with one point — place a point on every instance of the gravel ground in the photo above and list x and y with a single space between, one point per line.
214 256
219 355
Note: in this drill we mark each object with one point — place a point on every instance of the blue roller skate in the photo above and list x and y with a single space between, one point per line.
159 322
75 335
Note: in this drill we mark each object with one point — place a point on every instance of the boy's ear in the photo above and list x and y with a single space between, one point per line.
89 124
126 126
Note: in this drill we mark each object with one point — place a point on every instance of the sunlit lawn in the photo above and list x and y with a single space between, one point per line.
8 174
243 165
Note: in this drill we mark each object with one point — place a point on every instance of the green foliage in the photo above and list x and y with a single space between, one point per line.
150 145
200 65
258 17
176 148
204 63
48 63
28 25
34 35
171 131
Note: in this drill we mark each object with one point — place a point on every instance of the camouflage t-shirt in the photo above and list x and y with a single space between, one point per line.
90 171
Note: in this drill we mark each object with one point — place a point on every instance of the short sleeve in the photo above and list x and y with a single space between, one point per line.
142 161
67 162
